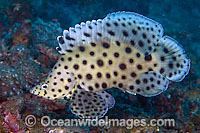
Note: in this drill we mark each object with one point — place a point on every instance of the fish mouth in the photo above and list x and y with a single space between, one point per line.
32 91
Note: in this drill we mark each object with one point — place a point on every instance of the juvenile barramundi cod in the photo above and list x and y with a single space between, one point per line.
124 50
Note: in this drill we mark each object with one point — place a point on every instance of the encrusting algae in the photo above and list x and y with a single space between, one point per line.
124 50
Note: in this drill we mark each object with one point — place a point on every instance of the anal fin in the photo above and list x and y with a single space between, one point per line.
110 101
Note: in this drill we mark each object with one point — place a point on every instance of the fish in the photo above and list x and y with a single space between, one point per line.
124 50
89 105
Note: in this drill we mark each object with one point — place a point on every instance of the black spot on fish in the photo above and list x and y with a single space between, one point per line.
131 60
162 70
107 24
115 23
118 43
69 58
92 66
110 62
90 88
71 45
116 55
89 76
145 81
99 75
61 40
81 48
97 85
137 81
144 35
76 67
141 44
58 73
122 66
147 88
69 80
120 85
139 67
86 34
148 58
132 42
92 53
115 73
100 63
174 58
138 55
84 62
123 77
170 75
104 54
104 85
125 33
80 76
170 65
106 45
177 65
77 56
99 34
162 58
69 38
68 50
131 87
134 32
111 33
93 44
128 50
62 59
108 75
90 27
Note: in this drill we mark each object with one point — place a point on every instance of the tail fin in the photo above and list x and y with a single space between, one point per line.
173 62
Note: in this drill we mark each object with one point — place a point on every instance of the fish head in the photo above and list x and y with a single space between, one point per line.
55 86
41 90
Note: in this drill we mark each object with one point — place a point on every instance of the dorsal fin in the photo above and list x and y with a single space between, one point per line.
126 27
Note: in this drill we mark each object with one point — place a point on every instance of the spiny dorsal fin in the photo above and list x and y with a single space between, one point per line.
125 27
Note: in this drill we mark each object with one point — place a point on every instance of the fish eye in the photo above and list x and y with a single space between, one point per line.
44 86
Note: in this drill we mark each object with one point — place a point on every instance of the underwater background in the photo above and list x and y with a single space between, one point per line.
28 32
